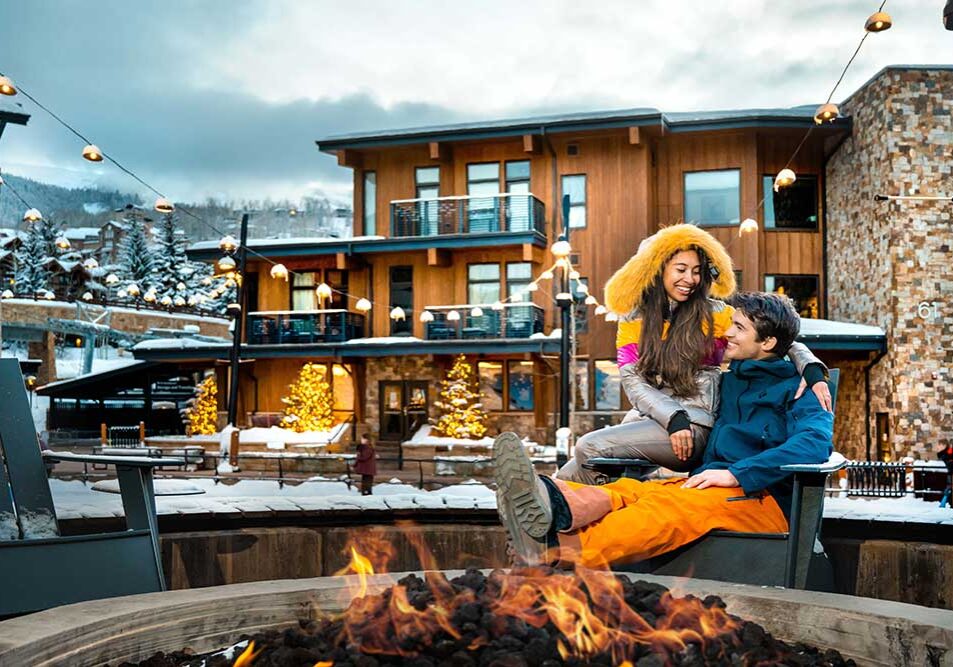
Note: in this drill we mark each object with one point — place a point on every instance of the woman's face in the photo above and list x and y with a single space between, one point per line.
682 275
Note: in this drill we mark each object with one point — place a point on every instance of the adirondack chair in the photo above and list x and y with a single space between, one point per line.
795 559
39 568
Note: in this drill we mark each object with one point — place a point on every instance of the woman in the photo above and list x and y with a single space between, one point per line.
670 343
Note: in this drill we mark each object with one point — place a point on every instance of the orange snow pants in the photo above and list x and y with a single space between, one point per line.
628 520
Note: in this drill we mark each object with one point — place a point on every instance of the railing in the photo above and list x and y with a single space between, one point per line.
515 320
875 478
304 326
467 215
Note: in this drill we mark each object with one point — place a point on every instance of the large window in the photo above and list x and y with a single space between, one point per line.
803 291
575 186
713 197
517 177
402 294
518 277
483 283
792 207
370 203
304 285
520 385
483 185
517 208
607 384
427 187
491 384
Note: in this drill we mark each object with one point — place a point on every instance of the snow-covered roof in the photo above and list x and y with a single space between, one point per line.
81 232
293 241
101 367
171 344
812 327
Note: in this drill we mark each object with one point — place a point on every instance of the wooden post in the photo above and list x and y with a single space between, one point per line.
103 434
233 450
142 434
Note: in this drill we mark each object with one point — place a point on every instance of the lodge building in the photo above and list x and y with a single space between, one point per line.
451 218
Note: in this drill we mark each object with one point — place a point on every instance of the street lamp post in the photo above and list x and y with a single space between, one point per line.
564 299
239 321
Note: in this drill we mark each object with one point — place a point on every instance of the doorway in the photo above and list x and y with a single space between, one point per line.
404 408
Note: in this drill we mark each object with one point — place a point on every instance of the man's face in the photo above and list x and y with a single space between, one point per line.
743 340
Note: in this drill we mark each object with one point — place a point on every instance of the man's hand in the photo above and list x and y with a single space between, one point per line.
707 478
821 390
682 444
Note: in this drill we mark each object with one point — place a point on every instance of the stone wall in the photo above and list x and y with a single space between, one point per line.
424 367
885 259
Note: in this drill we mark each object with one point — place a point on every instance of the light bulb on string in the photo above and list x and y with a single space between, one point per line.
426 316
87 296
574 275
226 263
7 294
133 289
63 243
163 205
878 22
748 225
546 275
591 300
6 86
363 305
324 293
279 272
397 313
228 244
91 264
112 279
497 306
477 312
784 178
32 215
612 317
532 287
178 301
92 153
453 316
166 300
826 113
561 249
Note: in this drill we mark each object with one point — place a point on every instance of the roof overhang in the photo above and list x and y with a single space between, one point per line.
299 248
356 349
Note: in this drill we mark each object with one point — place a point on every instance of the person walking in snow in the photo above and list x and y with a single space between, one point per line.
366 465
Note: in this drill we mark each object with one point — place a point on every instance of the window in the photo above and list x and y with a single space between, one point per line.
483 184
402 294
518 213
608 385
582 385
491 384
483 283
803 291
518 277
519 385
793 207
427 187
304 284
575 186
370 203
713 197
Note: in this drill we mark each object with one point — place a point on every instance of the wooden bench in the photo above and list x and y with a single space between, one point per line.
795 559
39 568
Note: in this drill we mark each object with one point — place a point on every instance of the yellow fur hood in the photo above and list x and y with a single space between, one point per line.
626 287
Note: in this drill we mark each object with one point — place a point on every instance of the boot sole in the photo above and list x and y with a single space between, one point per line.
517 488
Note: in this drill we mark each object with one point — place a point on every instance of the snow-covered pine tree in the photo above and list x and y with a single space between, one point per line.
32 262
309 404
170 263
136 259
462 414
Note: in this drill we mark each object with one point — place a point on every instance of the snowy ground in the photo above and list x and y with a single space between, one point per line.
74 499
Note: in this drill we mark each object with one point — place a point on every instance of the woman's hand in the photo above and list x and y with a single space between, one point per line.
821 390
682 444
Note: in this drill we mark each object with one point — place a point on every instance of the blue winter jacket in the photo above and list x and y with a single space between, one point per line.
760 427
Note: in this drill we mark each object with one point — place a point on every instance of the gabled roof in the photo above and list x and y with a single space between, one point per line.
692 121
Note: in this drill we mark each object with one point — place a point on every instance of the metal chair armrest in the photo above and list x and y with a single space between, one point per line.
833 464
132 461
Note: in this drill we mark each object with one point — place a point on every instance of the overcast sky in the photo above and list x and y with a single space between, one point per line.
225 98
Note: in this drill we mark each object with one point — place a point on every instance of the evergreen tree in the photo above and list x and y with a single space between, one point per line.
309 405
136 260
462 414
170 263
32 262
202 414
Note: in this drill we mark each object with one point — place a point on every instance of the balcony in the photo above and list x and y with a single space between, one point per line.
445 216
515 320
300 327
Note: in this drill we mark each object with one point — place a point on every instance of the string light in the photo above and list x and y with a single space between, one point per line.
748 225
600 310
363 305
279 272
228 244
63 243
132 289
7 294
453 316
784 178
91 264
164 205
826 113
226 263
878 22
6 86
426 316
92 153
87 296
324 292
32 215
398 313
497 306
477 312
612 317
546 275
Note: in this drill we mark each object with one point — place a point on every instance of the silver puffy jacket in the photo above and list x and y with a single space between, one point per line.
661 406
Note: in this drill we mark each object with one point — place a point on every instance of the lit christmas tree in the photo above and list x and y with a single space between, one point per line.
309 405
460 404
202 415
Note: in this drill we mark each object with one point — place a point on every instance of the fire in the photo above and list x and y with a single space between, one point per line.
248 655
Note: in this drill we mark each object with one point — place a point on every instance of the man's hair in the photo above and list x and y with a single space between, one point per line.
773 315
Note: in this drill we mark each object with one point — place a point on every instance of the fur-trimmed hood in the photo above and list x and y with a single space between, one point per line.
627 286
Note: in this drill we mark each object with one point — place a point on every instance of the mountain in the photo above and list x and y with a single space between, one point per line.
91 207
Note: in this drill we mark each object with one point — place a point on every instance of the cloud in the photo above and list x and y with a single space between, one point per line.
227 98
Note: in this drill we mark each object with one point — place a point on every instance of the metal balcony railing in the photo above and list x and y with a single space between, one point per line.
286 327
467 215
516 320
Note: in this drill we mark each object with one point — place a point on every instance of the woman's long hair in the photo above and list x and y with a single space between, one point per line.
674 361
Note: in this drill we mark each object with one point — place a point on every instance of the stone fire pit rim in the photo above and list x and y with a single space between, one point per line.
55 635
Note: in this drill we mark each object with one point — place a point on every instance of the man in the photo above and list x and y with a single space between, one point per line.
766 420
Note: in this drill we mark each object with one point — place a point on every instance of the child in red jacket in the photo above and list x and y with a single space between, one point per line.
366 465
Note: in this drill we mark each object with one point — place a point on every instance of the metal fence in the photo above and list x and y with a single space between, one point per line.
467 215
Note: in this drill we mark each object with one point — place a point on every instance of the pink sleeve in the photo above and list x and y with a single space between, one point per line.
627 354
717 352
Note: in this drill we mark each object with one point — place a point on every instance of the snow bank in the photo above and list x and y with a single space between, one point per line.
422 438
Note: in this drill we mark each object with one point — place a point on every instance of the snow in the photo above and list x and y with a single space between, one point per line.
299 240
813 327
422 438
174 344
99 366
389 340
555 333
908 509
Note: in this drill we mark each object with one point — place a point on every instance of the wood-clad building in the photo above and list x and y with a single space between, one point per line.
456 217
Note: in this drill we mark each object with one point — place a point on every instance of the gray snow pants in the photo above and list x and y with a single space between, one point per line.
641 439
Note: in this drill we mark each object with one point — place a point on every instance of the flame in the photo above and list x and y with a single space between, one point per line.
329 663
248 655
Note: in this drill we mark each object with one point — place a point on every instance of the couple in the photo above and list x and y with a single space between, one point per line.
766 418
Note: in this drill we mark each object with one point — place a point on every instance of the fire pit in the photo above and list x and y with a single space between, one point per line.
137 627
